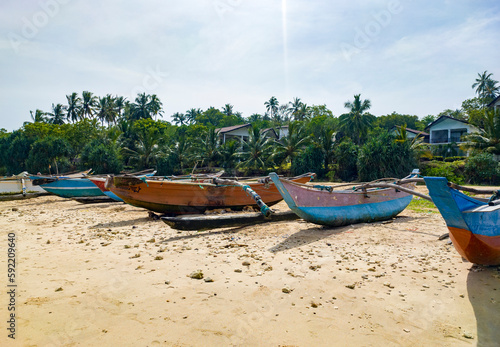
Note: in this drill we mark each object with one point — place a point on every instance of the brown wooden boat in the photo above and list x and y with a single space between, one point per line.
195 195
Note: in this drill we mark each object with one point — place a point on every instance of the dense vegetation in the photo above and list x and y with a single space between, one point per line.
110 134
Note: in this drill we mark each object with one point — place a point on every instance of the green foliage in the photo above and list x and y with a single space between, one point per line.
381 156
482 169
310 160
391 120
49 152
453 171
255 154
102 156
345 160
357 122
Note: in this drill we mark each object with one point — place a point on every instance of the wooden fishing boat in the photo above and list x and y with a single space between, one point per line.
100 182
195 195
473 224
18 184
70 187
327 206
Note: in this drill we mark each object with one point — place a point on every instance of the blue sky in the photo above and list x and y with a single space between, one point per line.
412 57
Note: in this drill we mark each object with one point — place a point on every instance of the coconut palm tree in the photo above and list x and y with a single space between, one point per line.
228 152
120 102
256 153
179 118
488 138
141 108
89 102
106 110
57 115
209 147
181 151
146 148
357 122
38 116
272 106
74 107
295 105
326 141
486 87
228 109
192 114
290 146
155 106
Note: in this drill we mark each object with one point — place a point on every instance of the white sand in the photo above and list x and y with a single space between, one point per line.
124 280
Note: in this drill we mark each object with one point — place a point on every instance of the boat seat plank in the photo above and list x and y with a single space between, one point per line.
483 208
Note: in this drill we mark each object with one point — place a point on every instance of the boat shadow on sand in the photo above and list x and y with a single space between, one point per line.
483 287
317 233
307 236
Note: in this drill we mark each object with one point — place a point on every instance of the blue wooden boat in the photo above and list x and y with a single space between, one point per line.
324 205
67 187
473 224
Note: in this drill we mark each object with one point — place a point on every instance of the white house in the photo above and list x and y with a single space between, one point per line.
495 104
446 130
241 132
411 133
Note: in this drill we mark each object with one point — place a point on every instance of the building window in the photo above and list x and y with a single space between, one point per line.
440 136
456 134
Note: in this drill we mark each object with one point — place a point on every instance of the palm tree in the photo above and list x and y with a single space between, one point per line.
106 110
228 153
181 150
272 106
295 105
192 114
57 115
291 145
486 87
89 102
120 102
357 121
146 148
487 139
326 142
179 118
155 106
228 109
255 154
38 116
74 107
209 150
141 108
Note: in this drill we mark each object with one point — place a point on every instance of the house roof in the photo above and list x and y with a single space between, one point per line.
494 101
231 128
269 129
442 118
417 132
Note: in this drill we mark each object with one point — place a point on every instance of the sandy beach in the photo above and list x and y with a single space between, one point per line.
106 274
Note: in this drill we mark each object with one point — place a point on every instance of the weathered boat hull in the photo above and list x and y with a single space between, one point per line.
186 197
100 183
338 208
73 188
203 222
14 185
473 225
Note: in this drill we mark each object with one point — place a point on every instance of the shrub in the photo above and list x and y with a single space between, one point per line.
102 157
482 168
345 159
381 156
310 160
453 171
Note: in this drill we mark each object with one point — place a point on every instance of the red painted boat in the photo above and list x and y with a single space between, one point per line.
196 195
